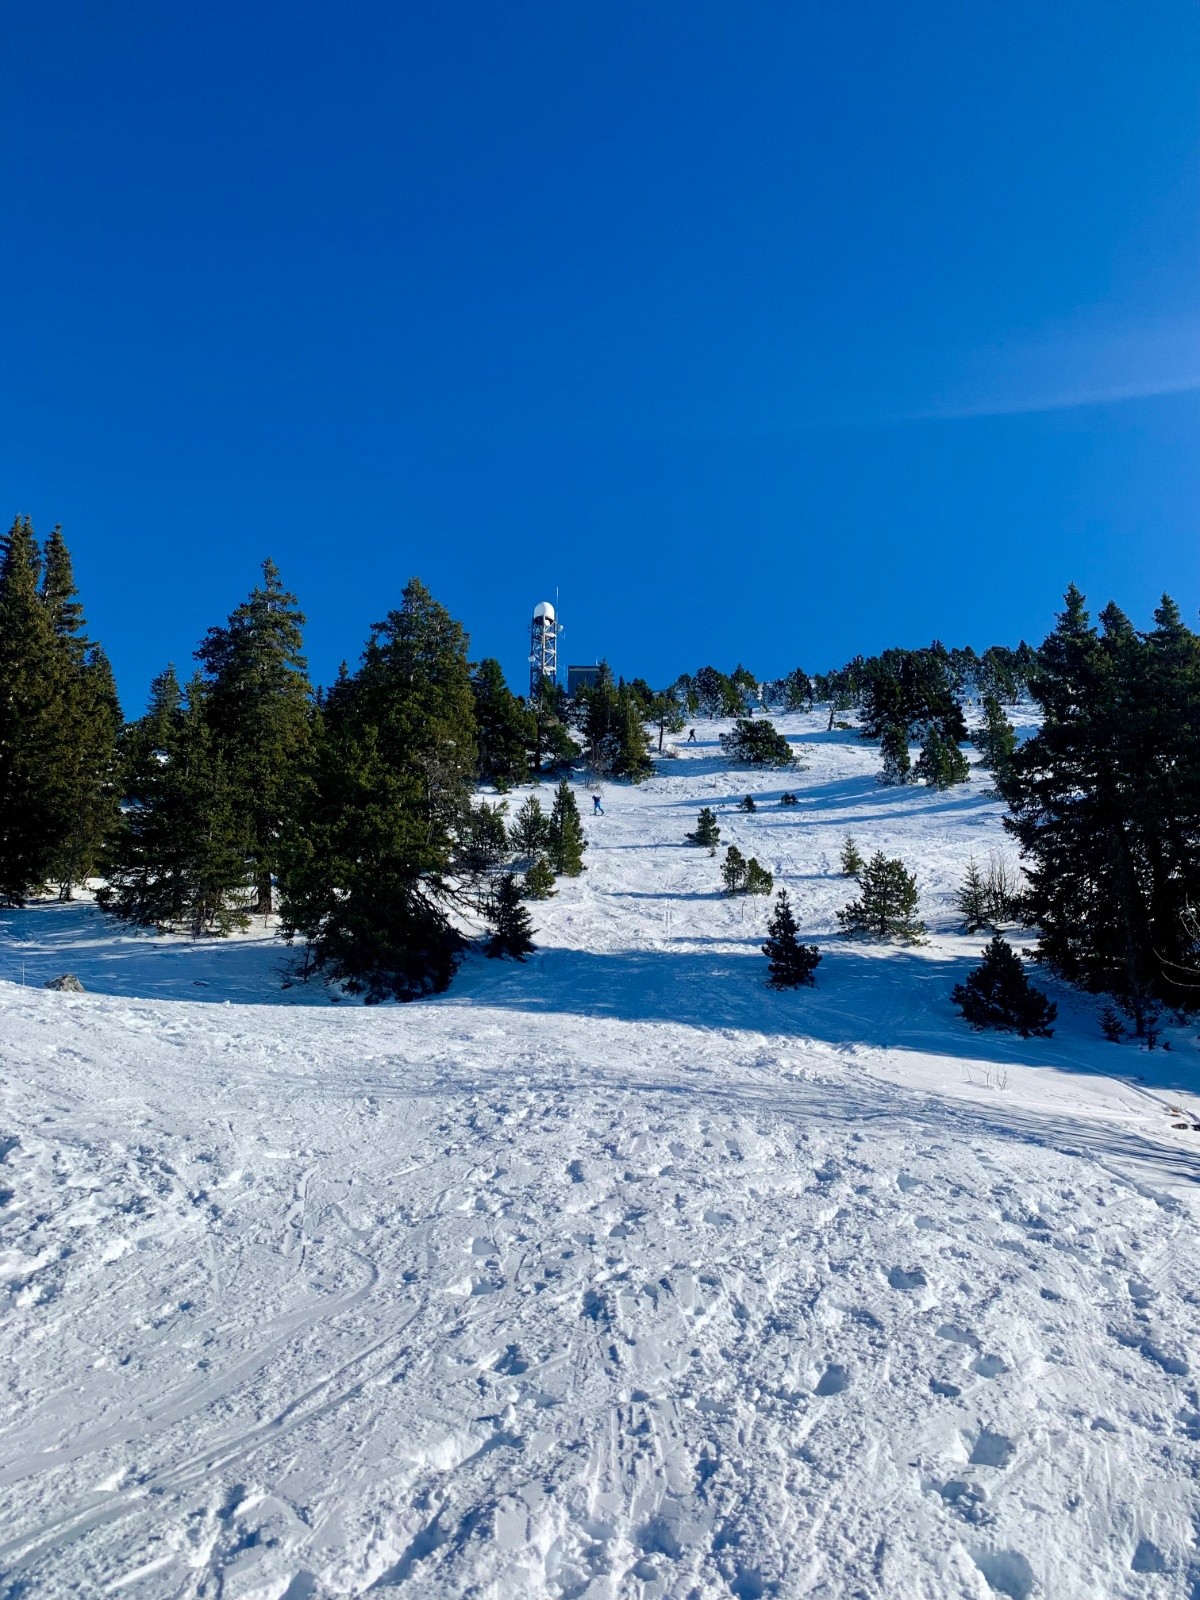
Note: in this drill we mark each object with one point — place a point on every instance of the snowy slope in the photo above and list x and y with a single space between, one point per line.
612 1274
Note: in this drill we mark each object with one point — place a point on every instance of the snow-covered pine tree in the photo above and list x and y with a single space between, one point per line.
566 843
886 903
897 764
998 994
707 832
512 928
530 830
789 962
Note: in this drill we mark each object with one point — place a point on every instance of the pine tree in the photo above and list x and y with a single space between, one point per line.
747 804
511 925
998 994
538 883
893 747
365 871
632 755
530 831
941 763
758 879
85 797
852 861
733 870
787 798
972 900
483 842
789 962
34 787
996 740
707 832
755 742
259 703
507 729
886 903
179 860
567 842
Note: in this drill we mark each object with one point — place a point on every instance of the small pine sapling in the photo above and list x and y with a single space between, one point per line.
998 994
852 862
566 842
789 962
758 879
747 804
1111 1024
530 830
886 904
733 870
511 926
707 832
787 798
972 900
538 883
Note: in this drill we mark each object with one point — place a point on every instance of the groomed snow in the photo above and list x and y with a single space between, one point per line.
612 1274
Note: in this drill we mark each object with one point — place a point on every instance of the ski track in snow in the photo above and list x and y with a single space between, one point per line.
609 1275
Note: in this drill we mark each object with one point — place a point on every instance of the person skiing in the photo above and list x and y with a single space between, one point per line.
691 738
597 808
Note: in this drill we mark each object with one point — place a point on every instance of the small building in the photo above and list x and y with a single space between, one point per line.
581 678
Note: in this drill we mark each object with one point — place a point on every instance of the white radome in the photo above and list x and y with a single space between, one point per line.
544 609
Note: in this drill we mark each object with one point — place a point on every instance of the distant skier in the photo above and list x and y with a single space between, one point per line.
597 808
691 738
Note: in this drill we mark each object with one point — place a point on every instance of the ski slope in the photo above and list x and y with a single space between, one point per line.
612 1274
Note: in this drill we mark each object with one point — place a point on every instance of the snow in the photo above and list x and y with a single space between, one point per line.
609 1274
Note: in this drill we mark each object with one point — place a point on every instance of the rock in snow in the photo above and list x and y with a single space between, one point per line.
613 1274
67 981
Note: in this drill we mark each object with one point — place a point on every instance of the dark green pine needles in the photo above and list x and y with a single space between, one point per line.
998 994
789 962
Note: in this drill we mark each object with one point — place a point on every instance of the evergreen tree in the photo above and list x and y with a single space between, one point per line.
631 756
733 870
553 746
972 900
566 843
852 861
887 900
747 804
179 859
998 994
85 795
484 841
707 832
996 740
893 747
259 703
530 831
797 691
539 880
511 926
787 798
758 880
365 872
34 785
941 763
789 962
507 729
755 742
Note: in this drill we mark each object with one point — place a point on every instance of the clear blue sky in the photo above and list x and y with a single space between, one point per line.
769 331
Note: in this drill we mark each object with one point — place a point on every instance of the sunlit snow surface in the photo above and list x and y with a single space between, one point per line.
611 1274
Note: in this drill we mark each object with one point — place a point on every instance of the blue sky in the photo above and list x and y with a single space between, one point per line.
769 332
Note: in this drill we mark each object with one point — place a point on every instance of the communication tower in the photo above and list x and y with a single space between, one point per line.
543 648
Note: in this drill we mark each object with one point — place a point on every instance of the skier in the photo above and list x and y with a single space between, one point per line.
597 808
691 738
